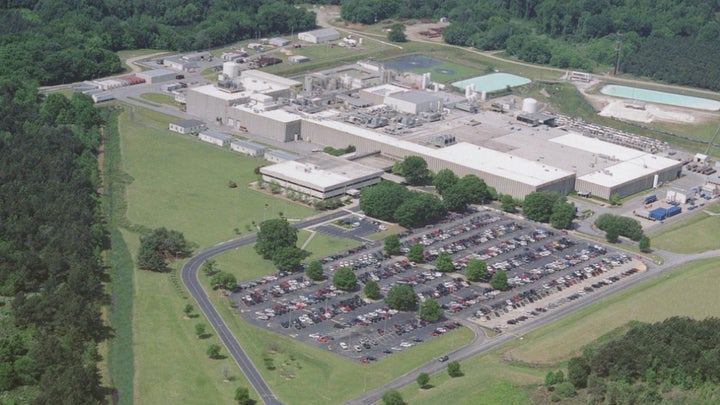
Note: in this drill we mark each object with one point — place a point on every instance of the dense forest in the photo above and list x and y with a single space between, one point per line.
671 40
678 358
50 242
65 41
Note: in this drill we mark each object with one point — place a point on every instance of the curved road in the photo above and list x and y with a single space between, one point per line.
189 275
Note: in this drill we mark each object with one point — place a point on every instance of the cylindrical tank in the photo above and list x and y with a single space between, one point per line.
231 70
529 105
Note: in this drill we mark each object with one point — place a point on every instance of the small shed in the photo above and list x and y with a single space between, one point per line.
187 126
700 158
298 59
215 138
247 148
278 41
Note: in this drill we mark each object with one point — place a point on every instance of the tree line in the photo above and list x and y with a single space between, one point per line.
678 355
51 236
66 41
674 41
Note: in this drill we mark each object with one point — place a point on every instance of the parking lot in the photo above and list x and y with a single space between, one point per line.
545 268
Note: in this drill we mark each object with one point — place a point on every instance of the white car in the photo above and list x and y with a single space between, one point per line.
343 345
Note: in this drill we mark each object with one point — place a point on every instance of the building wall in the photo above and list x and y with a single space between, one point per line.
631 187
210 139
263 125
245 151
206 107
319 192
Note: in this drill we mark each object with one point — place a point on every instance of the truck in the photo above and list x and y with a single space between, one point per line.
650 199
672 211
658 214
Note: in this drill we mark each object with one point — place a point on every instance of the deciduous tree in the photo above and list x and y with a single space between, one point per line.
273 235
344 279
423 379
213 351
499 280
476 270
416 253
372 290
430 310
314 271
401 297
392 245
444 262
415 170
454 369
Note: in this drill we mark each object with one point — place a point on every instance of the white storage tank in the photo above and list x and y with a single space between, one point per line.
529 105
231 70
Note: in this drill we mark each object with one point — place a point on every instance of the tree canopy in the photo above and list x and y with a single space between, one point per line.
401 297
67 41
392 245
159 246
416 253
665 41
314 271
476 270
538 206
372 290
430 310
275 234
499 280
344 279
382 200
415 170
444 262
444 179
397 33
620 225
51 239
419 209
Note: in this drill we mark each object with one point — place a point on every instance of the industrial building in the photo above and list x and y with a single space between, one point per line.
215 138
277 124
414 102
298 59
277 41
320 36
278 156
629 171
156 75
321 177
187 126
213 102
247 148
506 173
377 94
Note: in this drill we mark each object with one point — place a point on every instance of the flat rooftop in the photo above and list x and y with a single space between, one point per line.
279 114
416 97
268 78
214 92
321 171
472 156
156 73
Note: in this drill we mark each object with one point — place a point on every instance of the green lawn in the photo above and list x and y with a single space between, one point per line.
514 367
181 183
247 265
691 236
160 98
170 361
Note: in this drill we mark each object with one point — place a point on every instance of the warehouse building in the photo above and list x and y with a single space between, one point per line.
247 148
156 75
506 173
414 102
215 138
320 36
629 171
187 126
278 124
322 177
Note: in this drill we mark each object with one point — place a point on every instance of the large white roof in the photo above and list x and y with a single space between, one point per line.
597 146
469 155
633 169
500 164
321 172
279 115
213 91
268 78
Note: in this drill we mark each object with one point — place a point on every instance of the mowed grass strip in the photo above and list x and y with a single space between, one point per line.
171 363
182 183
159 98
304 374
697 234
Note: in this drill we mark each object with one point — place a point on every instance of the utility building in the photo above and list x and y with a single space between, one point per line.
215 138
414 102
320 36
322 177
278 124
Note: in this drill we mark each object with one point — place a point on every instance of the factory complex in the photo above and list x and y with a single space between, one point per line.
515 150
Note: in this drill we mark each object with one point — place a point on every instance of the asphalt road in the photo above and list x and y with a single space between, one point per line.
189 275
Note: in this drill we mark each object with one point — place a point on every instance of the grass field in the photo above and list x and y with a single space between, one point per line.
247 265
159 98
304 374
522 363
191 198
170 361
691 236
